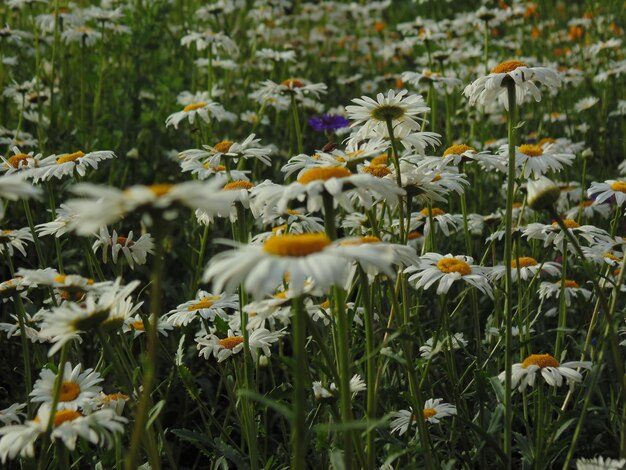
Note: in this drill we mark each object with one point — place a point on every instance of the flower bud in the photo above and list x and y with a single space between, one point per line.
542 193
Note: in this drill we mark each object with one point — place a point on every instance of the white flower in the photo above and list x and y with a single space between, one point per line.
537 161
11 240
572 289
585 103
105 205
12 414
135 251
222 349
600 463
486 90
204 110
58 166
528 268
205 306
553 372
443 344
227 149
77 388
400 109
433 411
542 193
60 225
302 256
610 188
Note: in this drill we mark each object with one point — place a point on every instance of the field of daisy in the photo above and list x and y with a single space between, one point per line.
270 234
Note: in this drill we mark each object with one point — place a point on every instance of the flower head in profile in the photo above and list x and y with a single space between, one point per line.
433 412
607 191
485 90
104 205
400 109
553 372
206 111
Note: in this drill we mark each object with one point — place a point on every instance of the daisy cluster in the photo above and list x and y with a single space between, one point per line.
272 233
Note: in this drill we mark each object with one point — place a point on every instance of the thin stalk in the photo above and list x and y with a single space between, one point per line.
296 123
396 164
298 426
150 362
508 244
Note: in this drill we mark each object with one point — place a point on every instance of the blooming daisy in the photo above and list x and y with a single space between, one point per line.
105 205
11 240
338 182
60 225
68 425
445 270
534 160
204 110
527 267
137 325
572 290
400 109
553 372
427 350
12 414
19 161
433 412
227 149
222 349
589 210
299 88
58 166
77 389
485 90
553 235
602 192
14 187
600 463
262 268
205 306
135 251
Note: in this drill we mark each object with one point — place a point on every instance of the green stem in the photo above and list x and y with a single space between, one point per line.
508 239
296 123
150 361
298 426
396 164
370 348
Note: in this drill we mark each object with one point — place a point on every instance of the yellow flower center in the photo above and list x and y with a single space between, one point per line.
296 245
380 160
279 228
124 241
619 186
531 150
206 302
377 170
69 391
323 173
454 265
429 413
230 342
160 189
223 146
16 160
325 305
611 256
293 83
541 360
114 397
292 212
238 185
138 325
414 235
70 157
434 212
281 295
524 262
387 111
361 240
65 416
569 223
508 66
569 283
60 279
193 107
587 203
458 150
546 140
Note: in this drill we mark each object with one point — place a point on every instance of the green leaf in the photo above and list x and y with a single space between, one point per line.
276 406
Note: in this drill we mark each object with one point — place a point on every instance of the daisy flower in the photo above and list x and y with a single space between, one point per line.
68 425
60 225
248 148
59 166
136 324
299 88
589 210
527 267
600 463
603 192
12 414
105 205
536 161
444 222
338 181
224 348
433 412
462 153
487 89
205 306
14 187
77 389
114 401
19 161
11 240
135 251
427 350
262 268
572 290
445 270
204 110
400 109
552 371
584 104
